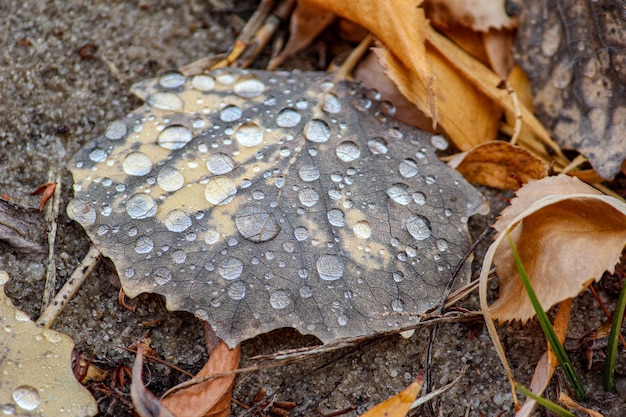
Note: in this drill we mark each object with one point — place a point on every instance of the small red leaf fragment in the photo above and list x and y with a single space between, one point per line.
46 190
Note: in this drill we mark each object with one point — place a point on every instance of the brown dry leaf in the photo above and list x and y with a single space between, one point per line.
36 377
480 15
568 402
210 398
400 404
146 404
500 165
567 234
499 47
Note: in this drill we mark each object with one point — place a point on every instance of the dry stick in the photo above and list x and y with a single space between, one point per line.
51 216
518 113
70 288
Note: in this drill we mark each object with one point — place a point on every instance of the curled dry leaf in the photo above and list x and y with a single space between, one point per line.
146 403
567 234
400 404
500 165
36 377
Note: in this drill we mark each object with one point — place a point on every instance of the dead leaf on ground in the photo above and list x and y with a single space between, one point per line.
146 403
400 404
22 228
36 377
500 165
568 402
574 53
567 234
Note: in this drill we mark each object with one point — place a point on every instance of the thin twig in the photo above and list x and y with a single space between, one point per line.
51 216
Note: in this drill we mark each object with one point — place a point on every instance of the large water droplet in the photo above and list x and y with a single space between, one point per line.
177 221
408 168
162 275
97 155
230 113
230 268
288 117
172 80
399 193
308 197
141 206
174 137
301 233
377 146
332 104
336 217
362 229
256 224
179 256
419 198
81 212
280 299
249 86
220 164
237 290
203 82
137 164
220 191
317 131
144 245
116 130
439 142
249 134
26 397
418 227
170 179
166 101
309 173
330 267
348 151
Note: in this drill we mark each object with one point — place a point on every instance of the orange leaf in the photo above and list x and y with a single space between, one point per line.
46 190
500 165
210 398
400 404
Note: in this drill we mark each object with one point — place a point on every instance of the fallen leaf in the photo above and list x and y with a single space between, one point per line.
145 402
567 234
260 200
36 377
568 402
22 228
479 15
400 404
210 398
573 52
500 165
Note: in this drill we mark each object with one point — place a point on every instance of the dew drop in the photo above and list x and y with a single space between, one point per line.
116 130
309 173
342 320
398 276
144 245
408 168
330 267
219 164
203 83
81 212
249 134
179 256
256 223
220 191
237 290
419 198
141 206
387 107
137 164
399 193
97 155
230 268
377 146
288 117
308 197
362 229
317 131
306 291
360 102
230 113
301 233
162 275
172 80
439 142
280 299
174 137
177 221
348 151
26 397
442 245
397 305
165 101
249 86
418 227
170 179
336 217
211 237
332 104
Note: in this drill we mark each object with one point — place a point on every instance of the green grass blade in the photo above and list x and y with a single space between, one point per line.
544 402
611 353
547 328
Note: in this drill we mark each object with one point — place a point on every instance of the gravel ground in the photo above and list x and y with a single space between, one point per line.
57 93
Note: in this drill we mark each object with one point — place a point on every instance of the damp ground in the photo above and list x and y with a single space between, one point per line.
66 70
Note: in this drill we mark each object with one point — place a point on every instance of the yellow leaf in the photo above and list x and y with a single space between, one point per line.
400 404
